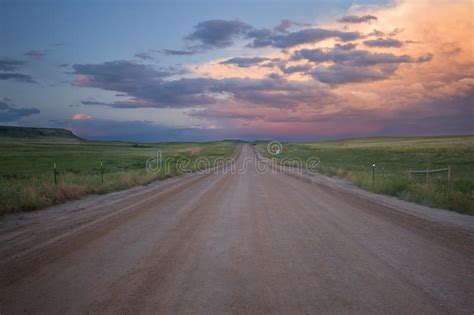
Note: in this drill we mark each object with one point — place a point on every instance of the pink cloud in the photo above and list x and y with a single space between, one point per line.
81 116
82 80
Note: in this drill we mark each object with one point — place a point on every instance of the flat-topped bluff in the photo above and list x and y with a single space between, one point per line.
30 132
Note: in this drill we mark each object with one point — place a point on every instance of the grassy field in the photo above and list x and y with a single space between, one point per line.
353 159
26 168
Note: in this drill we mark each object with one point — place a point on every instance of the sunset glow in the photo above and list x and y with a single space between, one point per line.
383 68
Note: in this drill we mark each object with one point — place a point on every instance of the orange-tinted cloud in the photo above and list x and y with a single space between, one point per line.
81 116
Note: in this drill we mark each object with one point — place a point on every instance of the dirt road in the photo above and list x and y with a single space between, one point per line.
243 243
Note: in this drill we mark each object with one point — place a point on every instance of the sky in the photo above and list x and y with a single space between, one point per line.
210 70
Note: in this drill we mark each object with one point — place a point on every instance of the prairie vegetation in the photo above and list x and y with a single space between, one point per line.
393 157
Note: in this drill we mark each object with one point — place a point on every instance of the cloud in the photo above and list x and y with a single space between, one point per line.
10 112
209 113
117 73
244 62
129 103
146 87
339 74
81 116
63 65
348 46
222 33
396 31
173 52
269 92
353 65
13 65
451 115
275 76
356 57
425 58
383 42
305 68
96 103
10 64
376 33
261 33
150 91
17 77
305 36
36 54
143 82
357 19
284 26
217 33
144 56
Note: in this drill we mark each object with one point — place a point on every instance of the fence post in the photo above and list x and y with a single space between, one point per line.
409 172
55 175
101 172
449 174
427 175
373 172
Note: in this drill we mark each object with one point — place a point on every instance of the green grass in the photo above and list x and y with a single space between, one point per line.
353 159
26 168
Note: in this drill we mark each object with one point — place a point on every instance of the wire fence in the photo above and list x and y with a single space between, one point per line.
428 172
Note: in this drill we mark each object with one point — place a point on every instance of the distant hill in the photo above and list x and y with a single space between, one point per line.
28 132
